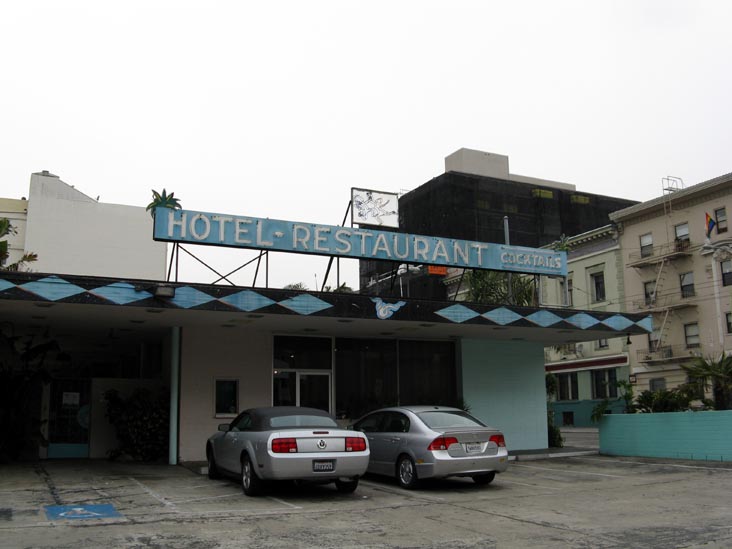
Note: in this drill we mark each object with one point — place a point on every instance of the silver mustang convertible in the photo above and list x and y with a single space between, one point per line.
417 442
287 443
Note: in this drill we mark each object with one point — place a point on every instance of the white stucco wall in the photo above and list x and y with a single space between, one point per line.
74 234
503 382
212 353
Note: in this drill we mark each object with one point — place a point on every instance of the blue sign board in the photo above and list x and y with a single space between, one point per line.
76 512
360 243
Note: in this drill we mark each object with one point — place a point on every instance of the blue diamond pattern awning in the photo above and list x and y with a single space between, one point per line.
543 318
582 320
502 316
305 304
187 297
618 322
247 301
52 288
457 313
121 293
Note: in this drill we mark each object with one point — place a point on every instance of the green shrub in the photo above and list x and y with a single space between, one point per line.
141 424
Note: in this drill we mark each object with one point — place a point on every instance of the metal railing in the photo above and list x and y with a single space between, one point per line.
679 246
667 352
665 301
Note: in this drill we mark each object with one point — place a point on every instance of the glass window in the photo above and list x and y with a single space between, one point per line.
396 422
568 388
728 316
682 231
726 272
687 284
371 423
604 383
427 373
242 423
691 333
302 353
646 245
653 340
649 291
657 384
720 216
227 397
570 301
301 420
448 420
602 343
597 286
366 376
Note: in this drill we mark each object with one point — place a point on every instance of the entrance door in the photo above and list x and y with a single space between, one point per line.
68 419
302 388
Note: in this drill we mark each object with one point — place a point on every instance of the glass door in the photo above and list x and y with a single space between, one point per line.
302 388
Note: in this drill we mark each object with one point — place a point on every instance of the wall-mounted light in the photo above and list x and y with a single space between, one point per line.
628 341
164 290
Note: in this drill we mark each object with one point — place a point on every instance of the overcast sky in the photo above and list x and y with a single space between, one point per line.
277 109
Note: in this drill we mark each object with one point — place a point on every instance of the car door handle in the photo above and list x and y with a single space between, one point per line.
394 439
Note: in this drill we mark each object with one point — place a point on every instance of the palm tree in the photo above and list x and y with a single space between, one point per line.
162 200
6 229
492 287
296 286
718 374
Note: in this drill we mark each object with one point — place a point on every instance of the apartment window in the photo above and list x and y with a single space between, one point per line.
720 216
646 245
597 285
649 291
570 301
657 384
602 343
568 386
568 349
728 316
653 340
604 383
726 272
691 334
687 284
227 397
682 231
697 386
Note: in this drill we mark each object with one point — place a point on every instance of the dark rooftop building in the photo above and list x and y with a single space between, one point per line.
470 200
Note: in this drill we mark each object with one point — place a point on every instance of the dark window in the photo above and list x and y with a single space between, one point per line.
720 216
691 333
302 353
227 396
649 291
687 284
570 302
568 386
682 232
448 420
728 316
598 287
396 422
427 373
697 386
602 344
604 384
726 272
646 245
567 418
372 423
657 384
242 423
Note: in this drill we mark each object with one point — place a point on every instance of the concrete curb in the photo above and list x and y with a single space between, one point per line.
552 455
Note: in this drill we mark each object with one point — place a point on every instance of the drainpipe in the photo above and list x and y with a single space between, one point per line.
174 392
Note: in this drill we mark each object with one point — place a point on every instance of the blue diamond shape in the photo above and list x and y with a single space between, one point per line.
120 293
4 285
618 322
187 297
502 316
53 288
582 320
543 318
646 323
247 300
305 304
457 313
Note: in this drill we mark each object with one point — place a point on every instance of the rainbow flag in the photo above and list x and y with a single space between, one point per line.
710 224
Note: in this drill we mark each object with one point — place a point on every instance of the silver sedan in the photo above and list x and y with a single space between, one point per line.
418 442
287 443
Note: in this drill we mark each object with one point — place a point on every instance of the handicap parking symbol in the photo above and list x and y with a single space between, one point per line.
59 512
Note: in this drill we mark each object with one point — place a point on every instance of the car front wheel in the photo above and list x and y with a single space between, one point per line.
251 484
213 470
406 472
346 486
481 480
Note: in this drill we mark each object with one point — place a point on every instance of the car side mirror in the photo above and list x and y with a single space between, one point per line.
224 427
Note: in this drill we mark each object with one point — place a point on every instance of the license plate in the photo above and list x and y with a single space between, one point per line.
323 465
472 447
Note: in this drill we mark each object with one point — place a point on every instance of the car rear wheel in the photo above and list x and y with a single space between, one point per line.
406 472
346 486
213 470
481 480
251 484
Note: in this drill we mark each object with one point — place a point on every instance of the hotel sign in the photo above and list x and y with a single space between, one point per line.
359 243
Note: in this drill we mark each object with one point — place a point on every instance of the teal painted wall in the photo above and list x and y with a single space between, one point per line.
582 410
682 435
503 382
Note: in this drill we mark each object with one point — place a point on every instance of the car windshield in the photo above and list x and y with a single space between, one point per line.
448 420
301 421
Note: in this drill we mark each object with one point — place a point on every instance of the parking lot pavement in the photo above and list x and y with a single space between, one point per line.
590 501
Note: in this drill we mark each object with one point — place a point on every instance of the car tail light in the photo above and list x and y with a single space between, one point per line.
355 444
284 445
498 439
442 443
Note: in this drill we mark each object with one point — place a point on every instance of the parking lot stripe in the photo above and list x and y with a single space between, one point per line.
204 499
284 503
531 485
154 495
662 464
568 472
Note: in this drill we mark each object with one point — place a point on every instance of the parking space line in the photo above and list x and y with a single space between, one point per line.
568 472
278 500
531 485
204 499
660 464
401 492
155 495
